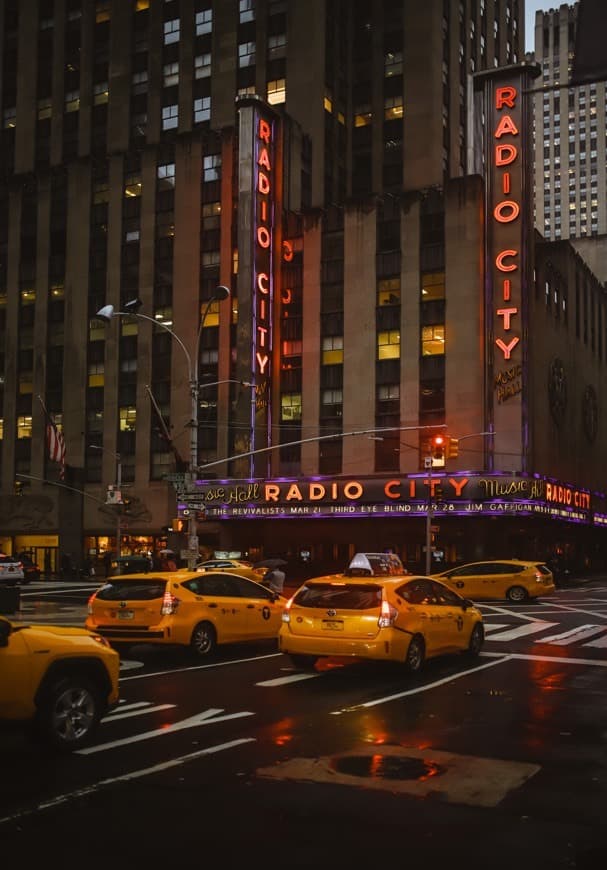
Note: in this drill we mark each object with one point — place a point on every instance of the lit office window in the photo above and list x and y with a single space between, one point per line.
388 344
332 350
433 340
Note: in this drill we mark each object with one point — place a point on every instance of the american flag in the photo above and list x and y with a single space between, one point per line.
56 444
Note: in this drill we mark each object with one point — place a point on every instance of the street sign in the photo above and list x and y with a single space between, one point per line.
193 543
195 506
174 478
188 554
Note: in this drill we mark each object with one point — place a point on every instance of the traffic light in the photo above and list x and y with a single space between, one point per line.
177 525
438 493
438 445
452 447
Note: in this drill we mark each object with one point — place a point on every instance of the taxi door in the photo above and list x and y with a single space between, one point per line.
226 608
467 580
420 594
16 670
263 609
452 621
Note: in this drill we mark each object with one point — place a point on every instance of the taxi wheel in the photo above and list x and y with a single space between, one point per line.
517 594
476 640
416 654
203 640
68 712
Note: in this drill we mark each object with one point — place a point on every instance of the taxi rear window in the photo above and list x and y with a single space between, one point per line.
136 590
342 596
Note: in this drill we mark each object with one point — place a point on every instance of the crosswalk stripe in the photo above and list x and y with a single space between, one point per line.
579 633
599 642
493 626
522 631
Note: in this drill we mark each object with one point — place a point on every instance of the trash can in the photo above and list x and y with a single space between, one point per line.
10 599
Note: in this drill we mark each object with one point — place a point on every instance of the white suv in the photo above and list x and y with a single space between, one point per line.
11 570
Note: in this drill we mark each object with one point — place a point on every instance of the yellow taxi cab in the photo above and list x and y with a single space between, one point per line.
369 613
513 579
57 682
195 609
234 566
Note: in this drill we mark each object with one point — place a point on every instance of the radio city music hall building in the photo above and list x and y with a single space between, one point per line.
366 196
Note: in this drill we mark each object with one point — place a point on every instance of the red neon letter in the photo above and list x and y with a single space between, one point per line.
499 261
263 183
505 153
265 131
263 159
506 218
263 237
505 97
506 348
506 125
506 313
263 282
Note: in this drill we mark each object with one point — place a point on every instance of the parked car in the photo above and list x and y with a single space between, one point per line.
57 682
367 614
31 570
512 579
11 570
195 609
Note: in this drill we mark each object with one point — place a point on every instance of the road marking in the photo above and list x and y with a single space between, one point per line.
599 642
562 660
291 678
208 717
418 689
134 774
199 667
570 609
493 626
141 708
506 612
574 634
522 631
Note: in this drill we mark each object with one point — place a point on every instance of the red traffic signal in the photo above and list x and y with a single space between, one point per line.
438 443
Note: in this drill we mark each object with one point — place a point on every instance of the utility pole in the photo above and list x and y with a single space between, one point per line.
428 467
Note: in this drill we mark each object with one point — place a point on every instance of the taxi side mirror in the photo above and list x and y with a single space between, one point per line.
466 603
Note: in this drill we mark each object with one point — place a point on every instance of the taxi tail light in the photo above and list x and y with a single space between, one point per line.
538 577
89 604
286 615
387 614
170 603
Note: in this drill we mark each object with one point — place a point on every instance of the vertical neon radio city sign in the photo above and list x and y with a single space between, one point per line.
506 209
263 253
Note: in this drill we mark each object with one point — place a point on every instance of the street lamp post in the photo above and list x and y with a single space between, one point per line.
107 313
118 490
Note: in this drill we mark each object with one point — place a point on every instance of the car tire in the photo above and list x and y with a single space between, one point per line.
68 713
477 638
416 654
517 594
304 662
203 640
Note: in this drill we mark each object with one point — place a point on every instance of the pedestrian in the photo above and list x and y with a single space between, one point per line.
48 569
66 566
275 579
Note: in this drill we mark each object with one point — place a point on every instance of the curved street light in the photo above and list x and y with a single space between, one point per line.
131 309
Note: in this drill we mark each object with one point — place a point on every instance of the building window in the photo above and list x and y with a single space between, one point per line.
170 117
277 92
388 344
171 74
96 375
246 54
166 176
128 418
433 286
290 407
204 21
202 110
393 63
72 101
388 292
212 167
24 427
44 108
202 66
433 340
393 108
363 116
246 10
171 31
277 46
332 350
332 403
